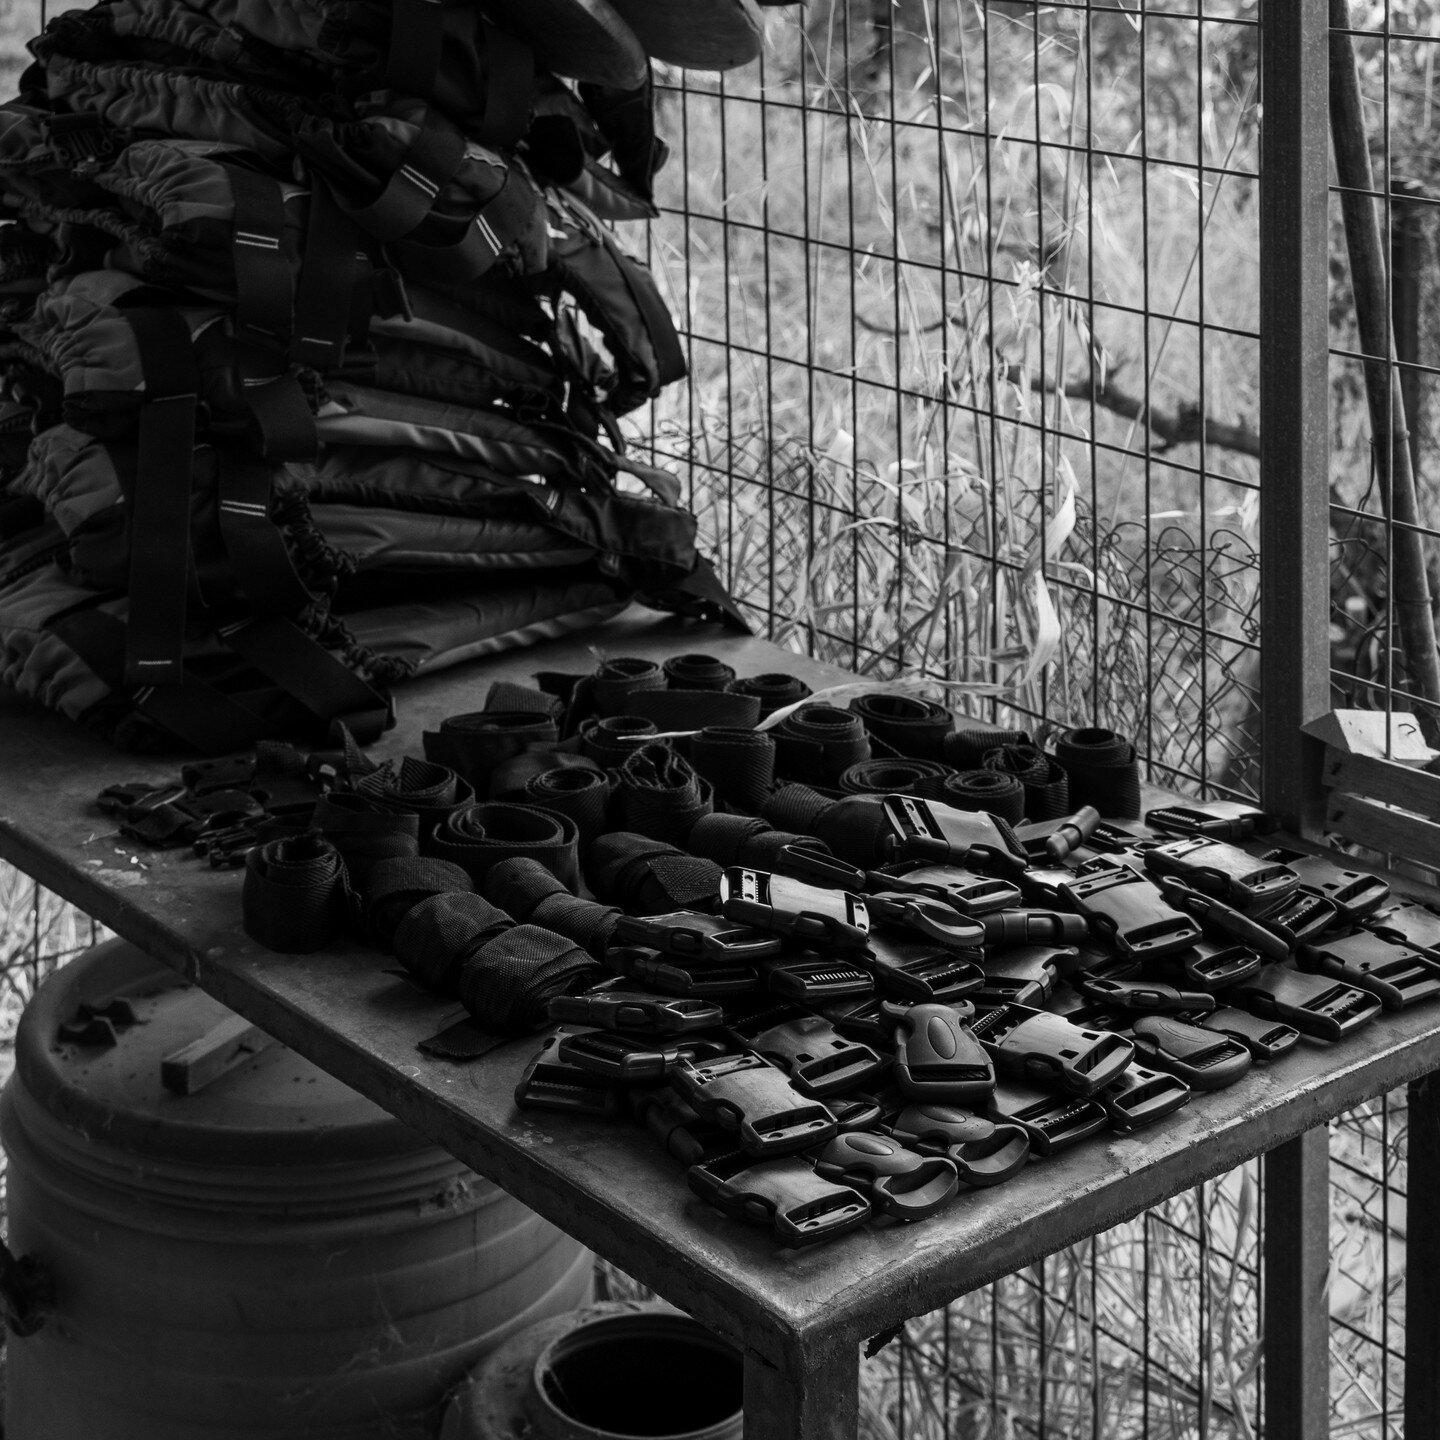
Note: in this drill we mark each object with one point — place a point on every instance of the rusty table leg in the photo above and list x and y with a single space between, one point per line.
1422 1265
814 1396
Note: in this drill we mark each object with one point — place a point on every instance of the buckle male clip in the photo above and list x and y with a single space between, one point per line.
936 1056
1141 1097
687 933
912 970
633 1059
818 1059
1040 886
814 867
693 979
1048 1050
1316 1005
1024 975
1207 965
926 916
549 1083
1408 924
1147 997
927 830
1266 1040
1398 975
1131 911
1121 835
813 980
1304 915
747 1095
896 1181
1053 1122
1056 840
1201 1058
1217 819
1353 893
982 1152
612 1007
1219 919
791 907
1034 927
681 1133
1225 871
859 1017
973 895
802 1206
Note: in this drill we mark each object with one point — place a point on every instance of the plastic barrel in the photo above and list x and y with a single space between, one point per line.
268 1255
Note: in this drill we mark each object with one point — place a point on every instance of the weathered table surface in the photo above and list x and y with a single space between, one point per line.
798 1316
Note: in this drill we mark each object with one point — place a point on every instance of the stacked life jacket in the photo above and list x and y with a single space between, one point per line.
315 339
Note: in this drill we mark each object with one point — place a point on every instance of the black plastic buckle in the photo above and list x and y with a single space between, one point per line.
750 1097
1146 997
817 1058
679 1130
859 1111
790 907
1049 1050
1056 840
928 917
936 1056
1025 975
690 979
227 847
612 1007
1353 893
1398 975
1035 927
138 796
1218 819
1300 918
1201 1058
814 867
82 138
812 981
1040 886
1219 919
1408 924
1266 1040
632 1059
911 970
549 1083
1228 873
859 1017
1315 1005
982 1152
1053 1122
1207 965
1131 912
689 933
1106 961
802 1206
1141 1097
926 830
1121 835
967 893
896 1181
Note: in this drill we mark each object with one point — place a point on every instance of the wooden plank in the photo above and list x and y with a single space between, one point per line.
816 1396
224 1047
1391 832
1386 780
1422 1265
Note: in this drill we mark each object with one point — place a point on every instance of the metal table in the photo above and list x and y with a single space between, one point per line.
798 1317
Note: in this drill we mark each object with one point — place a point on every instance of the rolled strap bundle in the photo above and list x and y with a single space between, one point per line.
1103 770
507 982
518 885
588 923
438 935
396 886
364 834
420 788
506 696
894 777
615 681
722 838
853 828
818 743
796 807
697 672
658 793
478 836
475 743
738 763
691 709
912 726
296 897
582 793
773 690
510 777
991 790
644 876
612 740
967 747
1047 788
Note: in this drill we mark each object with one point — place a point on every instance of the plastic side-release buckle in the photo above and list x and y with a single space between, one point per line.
813 981
687 933
633 1059
1304 915
926 830
936 1056
1316 1005
969 894
1201 1058
814 867
1206 965
1398 975
1408 924
1024 975
1266 1040
549 1083
749 1096
983 1153
612 1007
859 1017
1353 893
1048 1050
1148 997
1222 921
698 978
1131 911
896 1181
1035 927
803 1207
819 1061
916 971
926 916
1053 1122
1224 871
1055 840
1141 1097
1122 835
1040 885
680 1132
790 907
1219 819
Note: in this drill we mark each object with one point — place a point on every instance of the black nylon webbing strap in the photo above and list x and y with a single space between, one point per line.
616 680
507 983
1103 770
796 807
612 740
773 690
430 163
509 88
738 763
364 834
427 790
722 838
969 745
264 286
295 897
510 777
439 933
853 827
817 743
160 559
894 777
329 274
1047 789
474 744
519 884
648 877
658 793
477 836
697 672
257 550
580 793
588 924
506 695
991 790
417 40
395 887
912 726
691 709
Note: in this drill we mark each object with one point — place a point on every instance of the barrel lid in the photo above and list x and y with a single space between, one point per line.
267 1107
